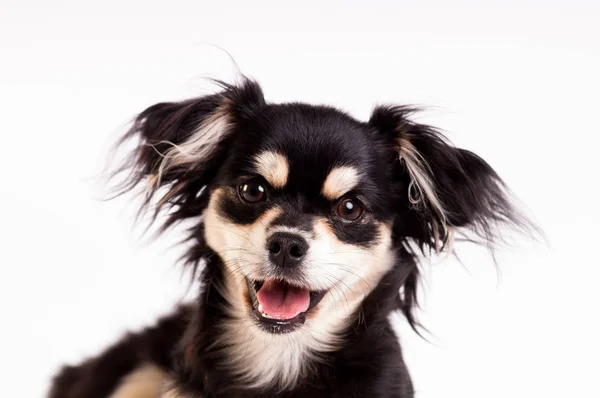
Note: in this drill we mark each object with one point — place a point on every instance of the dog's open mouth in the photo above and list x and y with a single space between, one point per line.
279 306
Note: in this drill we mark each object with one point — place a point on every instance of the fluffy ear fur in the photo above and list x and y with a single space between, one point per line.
178 150
180 146
440 190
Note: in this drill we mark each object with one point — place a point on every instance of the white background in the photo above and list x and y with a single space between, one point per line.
518 83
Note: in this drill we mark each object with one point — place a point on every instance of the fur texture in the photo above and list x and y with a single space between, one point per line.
312 201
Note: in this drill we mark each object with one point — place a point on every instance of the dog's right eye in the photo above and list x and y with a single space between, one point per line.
252 191
349 209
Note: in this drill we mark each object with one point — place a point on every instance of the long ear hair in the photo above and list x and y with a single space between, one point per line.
178 149
441 191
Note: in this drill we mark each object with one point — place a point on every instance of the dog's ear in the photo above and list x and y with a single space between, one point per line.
440 188
180 145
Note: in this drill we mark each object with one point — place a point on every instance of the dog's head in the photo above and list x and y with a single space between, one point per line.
305 207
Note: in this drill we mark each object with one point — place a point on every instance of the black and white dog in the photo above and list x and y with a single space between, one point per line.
307 224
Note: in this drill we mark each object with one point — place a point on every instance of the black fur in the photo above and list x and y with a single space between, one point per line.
314 139
98 377
369 365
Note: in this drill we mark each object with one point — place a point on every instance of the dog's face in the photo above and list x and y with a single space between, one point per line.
305 212
300 214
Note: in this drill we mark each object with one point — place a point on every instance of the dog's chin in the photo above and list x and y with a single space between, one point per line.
279 306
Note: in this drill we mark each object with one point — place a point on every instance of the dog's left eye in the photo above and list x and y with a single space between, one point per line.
349 209
252 191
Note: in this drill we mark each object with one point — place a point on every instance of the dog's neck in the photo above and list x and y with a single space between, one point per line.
223 347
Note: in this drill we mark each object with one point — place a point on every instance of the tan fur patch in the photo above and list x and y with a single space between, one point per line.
273 167
358 270
340 181
241 247
145 382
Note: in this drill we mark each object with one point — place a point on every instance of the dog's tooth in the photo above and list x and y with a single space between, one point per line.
260 308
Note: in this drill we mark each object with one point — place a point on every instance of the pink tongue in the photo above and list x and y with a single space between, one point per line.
282 301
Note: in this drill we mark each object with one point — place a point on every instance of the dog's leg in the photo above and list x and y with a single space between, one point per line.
132 367
145 382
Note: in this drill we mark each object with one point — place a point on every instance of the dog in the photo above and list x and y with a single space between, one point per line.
307 229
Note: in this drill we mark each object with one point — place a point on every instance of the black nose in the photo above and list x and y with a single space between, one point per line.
286 249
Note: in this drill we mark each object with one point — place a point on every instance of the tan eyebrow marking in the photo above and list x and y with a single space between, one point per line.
340 181
273 167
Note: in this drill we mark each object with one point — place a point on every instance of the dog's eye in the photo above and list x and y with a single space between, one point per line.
349 209
252 191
